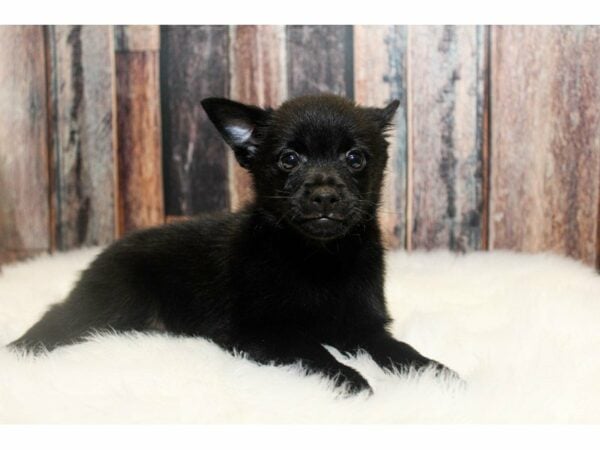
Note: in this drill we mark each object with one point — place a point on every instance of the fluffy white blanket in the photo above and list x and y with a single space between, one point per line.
522 330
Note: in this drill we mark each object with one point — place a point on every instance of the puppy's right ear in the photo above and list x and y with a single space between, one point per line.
239 125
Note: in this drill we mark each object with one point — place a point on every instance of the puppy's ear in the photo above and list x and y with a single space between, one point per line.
383 116
239 125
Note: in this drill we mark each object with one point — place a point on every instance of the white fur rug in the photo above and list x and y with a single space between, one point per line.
522 330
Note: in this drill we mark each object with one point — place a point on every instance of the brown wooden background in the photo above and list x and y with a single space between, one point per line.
497 140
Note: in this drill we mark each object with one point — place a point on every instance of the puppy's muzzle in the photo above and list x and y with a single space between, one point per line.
323 200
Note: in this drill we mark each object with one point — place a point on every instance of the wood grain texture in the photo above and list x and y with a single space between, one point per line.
320 59
257 77
194 65
545 171
446 67
379 77
485 142
141 201
174 219
598 238
137 38
83 134
24 211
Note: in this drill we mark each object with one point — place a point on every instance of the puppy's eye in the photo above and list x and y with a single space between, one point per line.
289 160
355 160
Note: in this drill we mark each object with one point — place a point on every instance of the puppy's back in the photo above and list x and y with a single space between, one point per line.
173 277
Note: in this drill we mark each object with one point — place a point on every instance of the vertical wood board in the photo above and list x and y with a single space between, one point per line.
446 66
545 167
141 201
320 59
194 65
137 38
83 114
379 77
24 212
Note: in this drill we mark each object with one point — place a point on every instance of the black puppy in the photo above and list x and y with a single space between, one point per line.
301 266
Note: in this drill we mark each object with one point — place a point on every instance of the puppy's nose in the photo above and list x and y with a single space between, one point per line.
324 197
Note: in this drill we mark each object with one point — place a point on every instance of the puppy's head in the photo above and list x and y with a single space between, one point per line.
317 162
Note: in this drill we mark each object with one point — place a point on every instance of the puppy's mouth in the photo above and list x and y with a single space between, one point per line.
323 227
322 219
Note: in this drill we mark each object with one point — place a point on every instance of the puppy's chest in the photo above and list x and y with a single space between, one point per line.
317 294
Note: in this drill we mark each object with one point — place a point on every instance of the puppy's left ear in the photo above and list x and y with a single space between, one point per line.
383 117
239 125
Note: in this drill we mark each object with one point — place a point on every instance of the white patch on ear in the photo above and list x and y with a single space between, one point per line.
239 134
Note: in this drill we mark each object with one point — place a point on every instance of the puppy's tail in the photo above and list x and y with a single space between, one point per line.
61 325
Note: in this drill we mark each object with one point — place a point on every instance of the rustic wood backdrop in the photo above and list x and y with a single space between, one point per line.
497 140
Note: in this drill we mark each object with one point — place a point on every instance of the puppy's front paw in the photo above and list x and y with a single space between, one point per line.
441 371
352 381
423 364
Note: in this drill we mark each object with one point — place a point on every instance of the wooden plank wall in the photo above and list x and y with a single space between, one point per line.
82 134
380 56
194 65
545 165
319 59
24 209
496 141
446 76
140 181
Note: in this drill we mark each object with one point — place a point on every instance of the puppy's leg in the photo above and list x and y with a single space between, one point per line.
283 350
391 354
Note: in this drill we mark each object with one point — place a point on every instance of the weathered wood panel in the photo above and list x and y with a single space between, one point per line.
258 77
137 38
139 137
379 77
194 65
173 219
598 238
446 67
24 215
83 134
485 134
545 171
320 59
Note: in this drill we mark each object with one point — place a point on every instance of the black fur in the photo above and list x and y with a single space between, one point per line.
301 266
